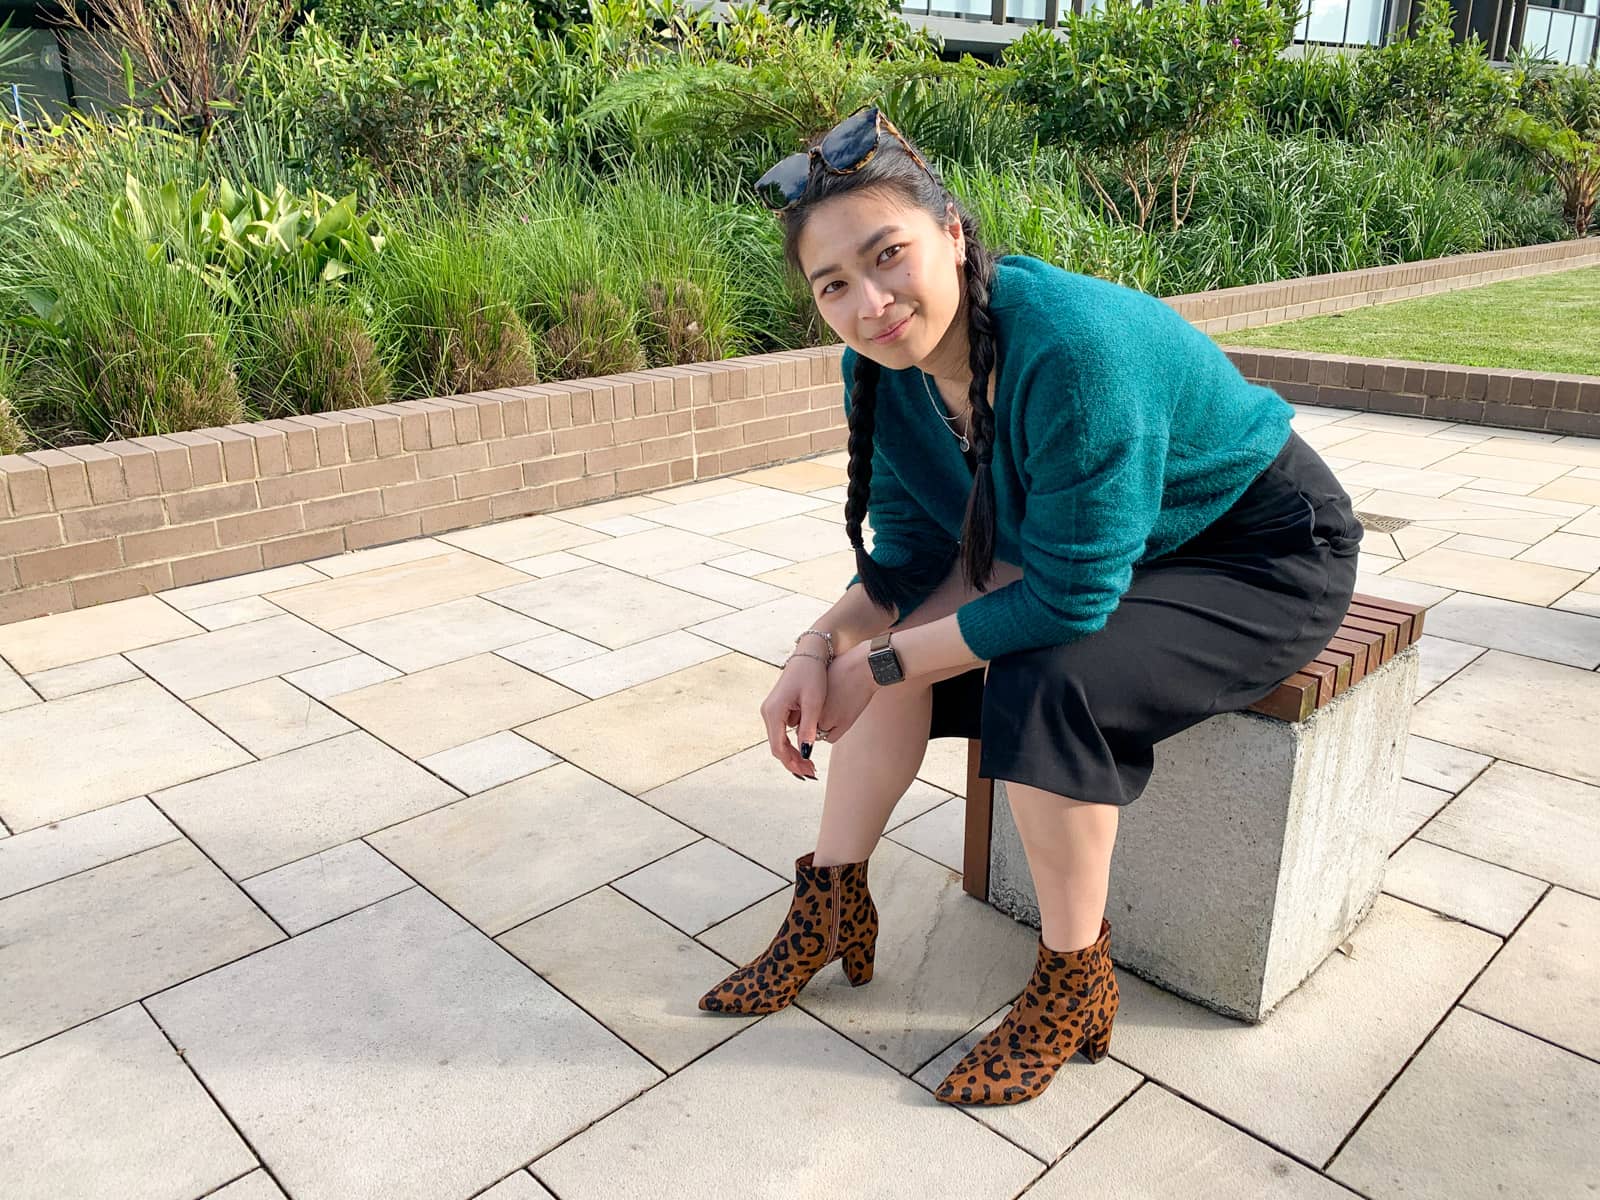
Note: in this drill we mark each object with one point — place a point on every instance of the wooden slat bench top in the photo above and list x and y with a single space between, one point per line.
1374 630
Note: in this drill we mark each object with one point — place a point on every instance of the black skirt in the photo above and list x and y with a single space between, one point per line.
1210 627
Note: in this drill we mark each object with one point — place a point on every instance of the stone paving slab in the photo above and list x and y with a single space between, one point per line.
750 804
270 716
511 853
60 682
1539 824
450 705
109 1109
606 605
1158 1146
1302 1079
1547 980
240 654
256 817
1531 712
82 946
699 885
1484 1112
64 848
632 971
323 887
720 1128
441 633
127 740
396 1054
653 733
71 637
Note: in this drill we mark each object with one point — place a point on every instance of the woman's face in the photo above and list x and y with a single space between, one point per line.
877 266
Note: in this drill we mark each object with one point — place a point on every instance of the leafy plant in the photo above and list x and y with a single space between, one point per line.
1429 82
266 240
13 437
126 345
190 52
312 355
874 25
1316 90
1572 161
1133 87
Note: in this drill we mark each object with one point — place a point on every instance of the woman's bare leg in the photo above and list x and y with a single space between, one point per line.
1068 844
877 759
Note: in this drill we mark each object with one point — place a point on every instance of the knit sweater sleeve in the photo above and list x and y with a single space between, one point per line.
1096 437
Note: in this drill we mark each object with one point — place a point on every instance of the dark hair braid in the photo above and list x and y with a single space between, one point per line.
978 530
887 587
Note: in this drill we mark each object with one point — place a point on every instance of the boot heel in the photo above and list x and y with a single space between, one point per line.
858 965
1097 1044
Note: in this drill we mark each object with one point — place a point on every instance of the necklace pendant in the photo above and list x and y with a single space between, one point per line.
965 445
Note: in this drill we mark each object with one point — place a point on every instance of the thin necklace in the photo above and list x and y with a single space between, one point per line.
950 422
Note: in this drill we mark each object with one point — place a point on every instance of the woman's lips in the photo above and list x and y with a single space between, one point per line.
891 334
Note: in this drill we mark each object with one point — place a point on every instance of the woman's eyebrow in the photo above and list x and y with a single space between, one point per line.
864 247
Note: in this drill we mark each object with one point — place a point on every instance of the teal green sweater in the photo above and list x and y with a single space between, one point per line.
1121 431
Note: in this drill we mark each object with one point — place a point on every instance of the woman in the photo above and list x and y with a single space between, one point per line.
1090 533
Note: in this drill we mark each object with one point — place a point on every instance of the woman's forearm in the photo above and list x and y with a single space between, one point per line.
854 619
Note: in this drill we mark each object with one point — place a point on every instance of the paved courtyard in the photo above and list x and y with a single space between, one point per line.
397 875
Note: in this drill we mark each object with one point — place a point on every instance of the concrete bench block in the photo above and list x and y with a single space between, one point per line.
1257 848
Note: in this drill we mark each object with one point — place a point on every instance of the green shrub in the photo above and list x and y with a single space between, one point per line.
247 237
13 437
449 296
349 19
415 113
1134 87
874 25
129 344
311 355
1571 160
1312 92
1429 82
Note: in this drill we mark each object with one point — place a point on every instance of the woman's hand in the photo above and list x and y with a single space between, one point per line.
795 702
850 687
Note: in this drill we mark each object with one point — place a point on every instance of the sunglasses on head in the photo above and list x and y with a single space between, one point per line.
844 149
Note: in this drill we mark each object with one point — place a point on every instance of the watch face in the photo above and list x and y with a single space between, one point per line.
885 666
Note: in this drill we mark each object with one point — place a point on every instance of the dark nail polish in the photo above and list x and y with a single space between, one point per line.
797 774
805 750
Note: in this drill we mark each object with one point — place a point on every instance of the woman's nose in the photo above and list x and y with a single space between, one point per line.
874 300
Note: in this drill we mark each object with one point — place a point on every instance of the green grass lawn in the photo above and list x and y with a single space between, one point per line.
1547 323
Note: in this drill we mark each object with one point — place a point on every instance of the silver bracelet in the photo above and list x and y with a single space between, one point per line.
804 654
825 636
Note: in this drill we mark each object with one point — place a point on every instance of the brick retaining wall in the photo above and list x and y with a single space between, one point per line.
1564 404
1269 303
88 524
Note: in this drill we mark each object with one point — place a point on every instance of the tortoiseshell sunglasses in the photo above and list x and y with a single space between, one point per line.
845 149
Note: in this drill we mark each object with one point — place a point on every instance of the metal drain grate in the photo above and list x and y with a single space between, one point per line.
1379 524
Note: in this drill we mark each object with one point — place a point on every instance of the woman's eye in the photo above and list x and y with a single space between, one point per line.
887 250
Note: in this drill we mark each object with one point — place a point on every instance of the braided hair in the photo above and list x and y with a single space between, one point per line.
893 172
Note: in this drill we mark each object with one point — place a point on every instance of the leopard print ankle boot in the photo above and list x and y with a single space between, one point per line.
1068 1005
831 916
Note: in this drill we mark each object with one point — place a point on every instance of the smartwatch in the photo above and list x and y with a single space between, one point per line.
884 661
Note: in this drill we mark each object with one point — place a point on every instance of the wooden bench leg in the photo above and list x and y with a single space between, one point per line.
980 815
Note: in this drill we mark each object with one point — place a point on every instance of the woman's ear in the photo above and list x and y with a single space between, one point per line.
952 226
